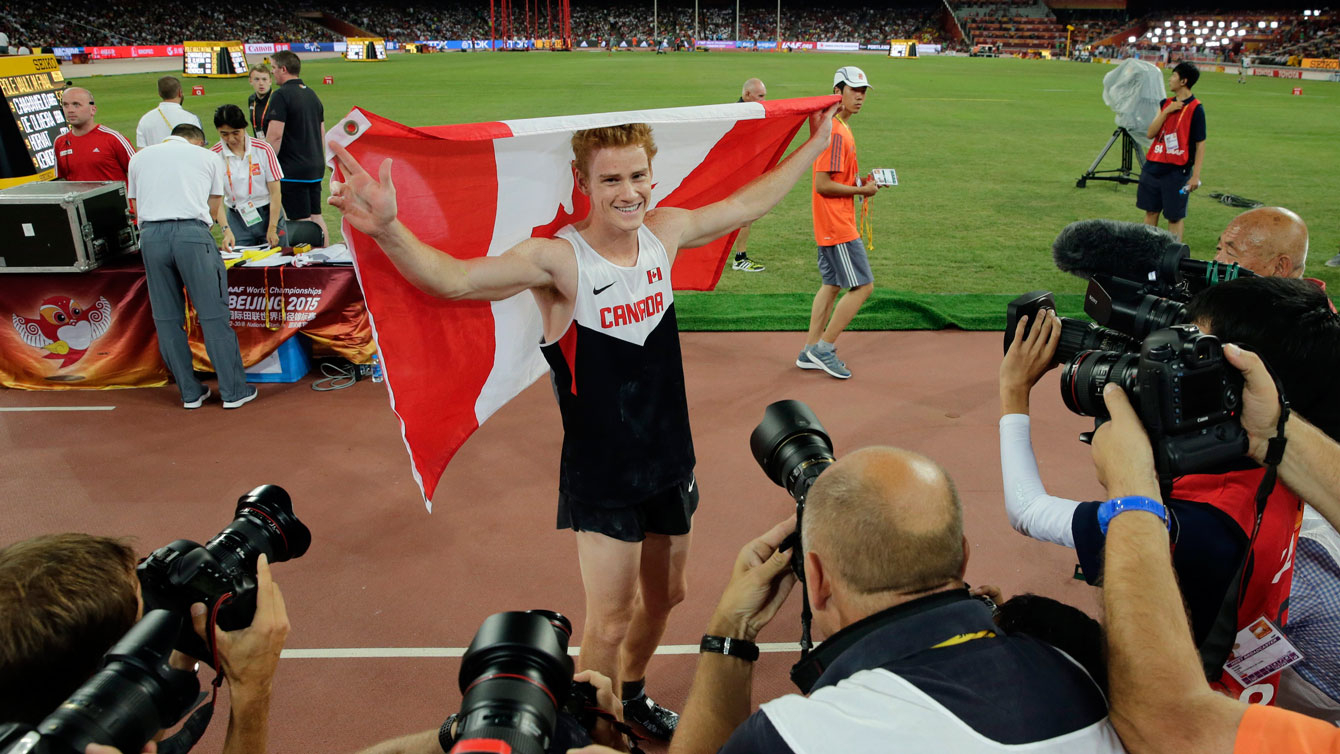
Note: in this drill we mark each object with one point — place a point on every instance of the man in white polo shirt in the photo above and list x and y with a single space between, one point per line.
251 183
176 190
156 124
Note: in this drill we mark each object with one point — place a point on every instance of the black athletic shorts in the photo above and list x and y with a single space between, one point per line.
1162 193
668 512
301 200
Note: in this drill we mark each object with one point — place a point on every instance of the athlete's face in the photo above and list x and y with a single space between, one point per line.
853 97
618 181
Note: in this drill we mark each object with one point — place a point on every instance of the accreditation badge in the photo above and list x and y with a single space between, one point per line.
1260 651
1171 144
250 215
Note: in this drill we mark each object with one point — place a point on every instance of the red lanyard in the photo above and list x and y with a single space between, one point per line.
261 123
228 168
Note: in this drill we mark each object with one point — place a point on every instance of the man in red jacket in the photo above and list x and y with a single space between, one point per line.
88 151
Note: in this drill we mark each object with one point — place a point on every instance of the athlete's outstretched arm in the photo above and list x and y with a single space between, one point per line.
370 207
762 194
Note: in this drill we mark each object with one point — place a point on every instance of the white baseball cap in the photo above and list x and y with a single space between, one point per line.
851 76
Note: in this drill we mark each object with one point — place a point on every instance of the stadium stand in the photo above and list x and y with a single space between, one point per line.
1013 27
57 23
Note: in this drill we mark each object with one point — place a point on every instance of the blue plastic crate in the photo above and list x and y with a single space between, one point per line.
289 363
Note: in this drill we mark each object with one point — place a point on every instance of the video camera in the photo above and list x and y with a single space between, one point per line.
1187 395
516 676
137 693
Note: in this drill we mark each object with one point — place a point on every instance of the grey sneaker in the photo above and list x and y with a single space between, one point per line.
1333 261
198 402
803 360
829 362
250 396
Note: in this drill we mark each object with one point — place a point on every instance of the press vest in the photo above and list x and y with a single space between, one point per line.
1178 123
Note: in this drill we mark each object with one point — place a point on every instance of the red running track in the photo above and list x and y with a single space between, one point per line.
383 573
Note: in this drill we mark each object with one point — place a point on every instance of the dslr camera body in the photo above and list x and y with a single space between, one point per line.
1186 393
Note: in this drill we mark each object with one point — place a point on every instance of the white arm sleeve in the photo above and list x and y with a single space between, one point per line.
1031 510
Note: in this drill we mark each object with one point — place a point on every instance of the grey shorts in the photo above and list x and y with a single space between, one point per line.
845 265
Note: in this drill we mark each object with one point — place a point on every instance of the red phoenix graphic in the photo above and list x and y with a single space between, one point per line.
64 328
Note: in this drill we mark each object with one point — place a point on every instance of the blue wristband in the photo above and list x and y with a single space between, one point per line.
1116 506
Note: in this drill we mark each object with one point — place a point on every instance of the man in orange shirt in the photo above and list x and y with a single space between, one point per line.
842 259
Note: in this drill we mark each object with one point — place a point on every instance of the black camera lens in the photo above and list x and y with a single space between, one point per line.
1077 335
791 446
263 523
515 675
1085 375
133 697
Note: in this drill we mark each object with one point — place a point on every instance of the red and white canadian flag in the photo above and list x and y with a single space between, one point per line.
479 189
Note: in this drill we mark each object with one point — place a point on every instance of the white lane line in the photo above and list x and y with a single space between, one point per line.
58 408
415 652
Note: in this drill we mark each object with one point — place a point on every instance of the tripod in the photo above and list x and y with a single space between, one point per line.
1130 156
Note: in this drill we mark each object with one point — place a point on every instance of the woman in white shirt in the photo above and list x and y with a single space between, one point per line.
251 186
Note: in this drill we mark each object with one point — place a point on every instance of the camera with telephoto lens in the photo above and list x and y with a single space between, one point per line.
1188 396
222 572
519 696
793 449
125 704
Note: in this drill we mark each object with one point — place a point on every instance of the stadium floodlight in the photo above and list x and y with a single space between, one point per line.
1221 24
1167 23
1242 32
1130 40
1182 24
1260 24
1226 41
1274 24
1183 40
1234 26
1200 40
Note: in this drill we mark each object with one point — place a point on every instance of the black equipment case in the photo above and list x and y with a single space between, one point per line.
64 226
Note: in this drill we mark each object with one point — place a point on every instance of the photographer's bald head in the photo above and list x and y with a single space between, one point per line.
882 526
1270 241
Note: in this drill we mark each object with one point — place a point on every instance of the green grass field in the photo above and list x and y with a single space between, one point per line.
987 152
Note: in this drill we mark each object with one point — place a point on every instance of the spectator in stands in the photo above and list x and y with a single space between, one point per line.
89 151
753 91
251 187
842 257
296 128
176 188
910 656
1270 241
65 599
1172 165
1160 701
258 102
157 124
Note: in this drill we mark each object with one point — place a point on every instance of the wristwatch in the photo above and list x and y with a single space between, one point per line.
1116 506
742 648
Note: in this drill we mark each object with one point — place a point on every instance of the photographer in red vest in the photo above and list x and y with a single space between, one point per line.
1172 165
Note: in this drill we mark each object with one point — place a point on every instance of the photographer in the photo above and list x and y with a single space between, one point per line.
1270 241
912 661
1160 701
65 599
1215 513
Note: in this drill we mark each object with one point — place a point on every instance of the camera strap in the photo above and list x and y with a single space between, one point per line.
194 728
1218 644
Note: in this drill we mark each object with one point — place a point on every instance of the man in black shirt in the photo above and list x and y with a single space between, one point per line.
295 126
258 103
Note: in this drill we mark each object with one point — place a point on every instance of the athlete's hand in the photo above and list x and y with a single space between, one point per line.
367 204
759 585
1173 106
821 123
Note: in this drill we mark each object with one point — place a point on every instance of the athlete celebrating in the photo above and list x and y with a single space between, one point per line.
603 288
